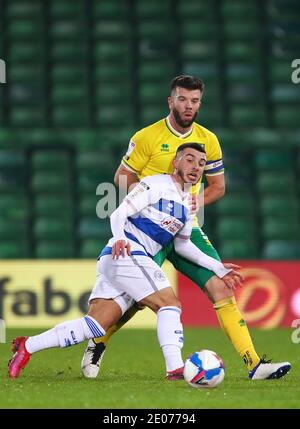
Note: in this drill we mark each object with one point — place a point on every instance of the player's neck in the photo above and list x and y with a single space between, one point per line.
180 184
177 127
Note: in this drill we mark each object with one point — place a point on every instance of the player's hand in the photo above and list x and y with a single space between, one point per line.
233 279
118 248
194 203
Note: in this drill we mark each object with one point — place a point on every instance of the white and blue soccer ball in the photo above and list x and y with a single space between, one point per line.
204 369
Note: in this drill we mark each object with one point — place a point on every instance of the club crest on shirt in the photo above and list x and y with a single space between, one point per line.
159 275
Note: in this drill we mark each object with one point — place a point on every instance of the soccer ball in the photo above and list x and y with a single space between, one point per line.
204 369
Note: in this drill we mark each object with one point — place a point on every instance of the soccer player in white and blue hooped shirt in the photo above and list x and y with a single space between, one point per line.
155 212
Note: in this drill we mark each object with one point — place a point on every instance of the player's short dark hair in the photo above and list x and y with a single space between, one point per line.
187 82
196 146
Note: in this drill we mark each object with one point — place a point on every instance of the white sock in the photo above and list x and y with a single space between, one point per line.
170 336
66 334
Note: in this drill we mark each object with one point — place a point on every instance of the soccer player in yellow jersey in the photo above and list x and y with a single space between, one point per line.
151 151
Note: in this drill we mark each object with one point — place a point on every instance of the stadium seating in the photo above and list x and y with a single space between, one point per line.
84 76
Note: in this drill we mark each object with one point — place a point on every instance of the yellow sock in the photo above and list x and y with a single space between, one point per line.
236 329
126 316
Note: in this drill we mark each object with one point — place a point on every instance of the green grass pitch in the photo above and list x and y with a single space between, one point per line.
132 375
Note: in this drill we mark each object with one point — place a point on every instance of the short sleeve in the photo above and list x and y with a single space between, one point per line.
138 153
142 195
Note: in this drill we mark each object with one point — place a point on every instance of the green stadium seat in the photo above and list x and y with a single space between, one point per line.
14 206
250 116
276 182
87 205
21 9
279 205
27 116
12 230
51 160
48 228
229 227
236 204
236 9
239 30
61 9
25 28
146 9
285 93
91 248
60 205
199 50
17 249
69 29
70 93
150 71
276 159
111 94
195 30
109 72
93 228
69 51
111 115
263 137
44 181
69 73
110 8
107 50
242 51
152 112
13 170
280 228
153 92
238 72
238 249
279 71
27 51
208 70
155 29
286 115
196 9
111 29
281 249
54 249
246 93
70 115
27 73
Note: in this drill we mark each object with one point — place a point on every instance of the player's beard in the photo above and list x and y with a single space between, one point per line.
181 122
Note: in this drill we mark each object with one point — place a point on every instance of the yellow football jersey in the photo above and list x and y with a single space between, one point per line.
152 149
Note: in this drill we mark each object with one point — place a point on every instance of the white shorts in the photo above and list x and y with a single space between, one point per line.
127 279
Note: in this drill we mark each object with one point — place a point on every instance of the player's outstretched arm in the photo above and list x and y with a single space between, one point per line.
188 250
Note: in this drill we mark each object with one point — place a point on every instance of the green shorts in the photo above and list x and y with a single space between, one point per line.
198 275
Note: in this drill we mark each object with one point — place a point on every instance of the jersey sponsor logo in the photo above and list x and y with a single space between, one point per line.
164 147
159 275
135 192
131 146
170 224
144 185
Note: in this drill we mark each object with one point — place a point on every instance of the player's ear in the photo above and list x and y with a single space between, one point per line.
175 163
170 102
